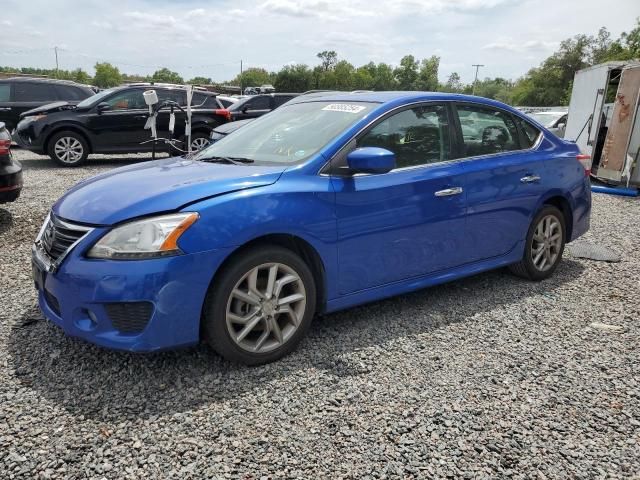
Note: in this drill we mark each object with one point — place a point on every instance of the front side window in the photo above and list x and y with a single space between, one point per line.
178 96
127 100
33 92
486 131
417 136
5 92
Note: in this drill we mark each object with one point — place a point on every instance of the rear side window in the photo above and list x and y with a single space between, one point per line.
5 92
258 103
486 131
280 99
225 103
198 99
65 92
33 92
417 136
178 96
530 133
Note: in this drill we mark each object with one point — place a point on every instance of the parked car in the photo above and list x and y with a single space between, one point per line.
326 203
555 121
10 169
226 101
20 94
256 105
113 121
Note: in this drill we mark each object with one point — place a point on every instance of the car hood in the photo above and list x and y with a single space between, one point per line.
154 187
49 108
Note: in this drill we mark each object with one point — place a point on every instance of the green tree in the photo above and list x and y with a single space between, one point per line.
328 59
453 84
200 81
294 78
407 73
428 74
106 75
80 76
384 77
164 75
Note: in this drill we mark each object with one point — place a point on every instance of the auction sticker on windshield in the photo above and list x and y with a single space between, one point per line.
344 107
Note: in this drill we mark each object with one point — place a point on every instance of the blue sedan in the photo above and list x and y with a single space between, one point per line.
325 203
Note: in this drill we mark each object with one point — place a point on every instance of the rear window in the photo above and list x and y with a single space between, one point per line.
530 132
33 92
5 92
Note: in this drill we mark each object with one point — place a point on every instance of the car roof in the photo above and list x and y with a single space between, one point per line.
54 81
399 98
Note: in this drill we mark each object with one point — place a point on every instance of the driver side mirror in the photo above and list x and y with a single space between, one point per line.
103 106
371 160
245 109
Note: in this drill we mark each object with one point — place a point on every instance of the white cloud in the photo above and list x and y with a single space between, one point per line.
516 46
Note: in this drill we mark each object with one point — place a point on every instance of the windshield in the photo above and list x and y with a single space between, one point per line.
547 119
290 134
92 100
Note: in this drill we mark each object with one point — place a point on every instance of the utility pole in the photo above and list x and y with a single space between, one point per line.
55 49
240 77
475 80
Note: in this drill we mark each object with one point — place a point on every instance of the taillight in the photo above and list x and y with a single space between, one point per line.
5 145
224 112
585 160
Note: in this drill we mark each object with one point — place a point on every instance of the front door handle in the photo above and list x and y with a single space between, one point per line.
448 192
530 179
5 109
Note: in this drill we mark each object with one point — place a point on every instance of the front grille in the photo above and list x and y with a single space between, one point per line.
129 317
58 236
52 301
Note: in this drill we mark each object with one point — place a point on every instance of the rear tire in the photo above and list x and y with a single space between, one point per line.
260 306
68 149
544 245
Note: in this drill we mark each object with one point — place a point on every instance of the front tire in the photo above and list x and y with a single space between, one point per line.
68 149
544 246
260 306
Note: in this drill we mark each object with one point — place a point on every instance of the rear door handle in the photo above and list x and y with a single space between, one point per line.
140 117
530 179
447 192
5 109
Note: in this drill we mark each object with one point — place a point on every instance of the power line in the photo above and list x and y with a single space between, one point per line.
475 80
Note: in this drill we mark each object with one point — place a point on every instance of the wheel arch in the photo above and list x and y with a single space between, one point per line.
71 128
562 203
292 242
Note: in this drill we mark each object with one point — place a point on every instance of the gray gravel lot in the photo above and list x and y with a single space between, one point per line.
488 377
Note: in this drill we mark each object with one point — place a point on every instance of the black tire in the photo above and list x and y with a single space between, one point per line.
526 268
196 136
75 159
215 326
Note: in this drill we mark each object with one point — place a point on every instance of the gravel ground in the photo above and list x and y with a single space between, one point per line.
488 377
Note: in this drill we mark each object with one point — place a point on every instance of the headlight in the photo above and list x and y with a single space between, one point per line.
33 118
148 238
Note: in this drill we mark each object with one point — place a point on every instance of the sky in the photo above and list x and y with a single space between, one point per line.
209 38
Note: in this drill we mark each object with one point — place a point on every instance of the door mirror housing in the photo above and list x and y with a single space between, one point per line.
103 106
371 160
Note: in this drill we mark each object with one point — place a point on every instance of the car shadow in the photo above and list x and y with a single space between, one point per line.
111 386
6 221
45 163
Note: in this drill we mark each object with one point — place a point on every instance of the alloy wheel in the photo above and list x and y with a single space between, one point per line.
68 150
547 243
265 307
198 144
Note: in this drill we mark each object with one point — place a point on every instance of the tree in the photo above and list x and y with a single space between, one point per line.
80 76
294 78
428 74
200 81
407 73
253 77
453 85
384 77
164 75
328 59
106 75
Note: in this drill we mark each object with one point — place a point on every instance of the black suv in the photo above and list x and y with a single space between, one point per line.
257 105
10 169
19 94
113 121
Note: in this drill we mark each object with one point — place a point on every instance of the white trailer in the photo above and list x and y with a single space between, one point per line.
611 138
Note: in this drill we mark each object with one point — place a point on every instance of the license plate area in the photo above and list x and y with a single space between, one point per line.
39 276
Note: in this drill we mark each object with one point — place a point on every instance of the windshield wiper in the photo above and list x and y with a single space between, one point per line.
232 160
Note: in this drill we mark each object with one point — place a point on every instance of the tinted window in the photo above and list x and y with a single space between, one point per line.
259 103
5 92
65 92
417 136
33 92
178 96
280 99
225 103
486 130
198 99
530 132
127 100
